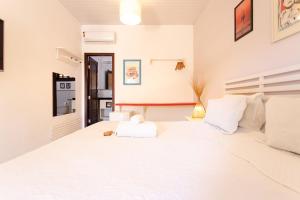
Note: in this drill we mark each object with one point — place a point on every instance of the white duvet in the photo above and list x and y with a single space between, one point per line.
187 161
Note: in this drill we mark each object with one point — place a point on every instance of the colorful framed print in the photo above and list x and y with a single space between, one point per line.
243 19
286 18
132 72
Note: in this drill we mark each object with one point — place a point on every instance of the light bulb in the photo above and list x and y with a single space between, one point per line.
130 12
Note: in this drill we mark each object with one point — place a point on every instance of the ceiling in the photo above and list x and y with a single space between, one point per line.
155 12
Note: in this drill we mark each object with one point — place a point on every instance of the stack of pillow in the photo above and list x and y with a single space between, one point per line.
280 114
232 111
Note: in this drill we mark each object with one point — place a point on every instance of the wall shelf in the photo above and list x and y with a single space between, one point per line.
166 59
66 56
179 62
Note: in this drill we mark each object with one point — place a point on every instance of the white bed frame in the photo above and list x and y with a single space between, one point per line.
278 81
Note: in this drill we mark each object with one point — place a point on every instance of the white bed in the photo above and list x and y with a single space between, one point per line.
187 161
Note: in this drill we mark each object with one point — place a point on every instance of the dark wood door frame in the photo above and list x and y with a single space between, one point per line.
86 68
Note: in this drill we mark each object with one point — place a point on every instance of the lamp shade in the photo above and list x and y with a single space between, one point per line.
199 111
180 65
130 12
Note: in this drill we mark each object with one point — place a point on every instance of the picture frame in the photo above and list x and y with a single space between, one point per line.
68 86
285 18
243 19
132 72
1 45
62 85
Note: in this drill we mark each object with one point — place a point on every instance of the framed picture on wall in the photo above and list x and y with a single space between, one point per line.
1 45
286 18
132 72
243 19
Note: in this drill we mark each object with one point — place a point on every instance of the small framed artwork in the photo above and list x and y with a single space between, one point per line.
286 18
132 72
68 85
1 45
243 19
62 85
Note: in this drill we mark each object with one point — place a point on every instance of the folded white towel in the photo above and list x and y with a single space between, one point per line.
142 130
137 119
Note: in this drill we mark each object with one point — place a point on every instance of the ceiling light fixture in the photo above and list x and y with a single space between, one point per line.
130 12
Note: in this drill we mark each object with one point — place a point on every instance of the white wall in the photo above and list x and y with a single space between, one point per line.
160 82
219 58
33 29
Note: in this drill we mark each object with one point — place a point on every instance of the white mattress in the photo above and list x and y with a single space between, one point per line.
187 161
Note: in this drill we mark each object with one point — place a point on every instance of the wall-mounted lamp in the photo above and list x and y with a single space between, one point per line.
179 66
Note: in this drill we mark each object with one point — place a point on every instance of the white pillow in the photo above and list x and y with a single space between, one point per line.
283 123
254 116
226 113
137 119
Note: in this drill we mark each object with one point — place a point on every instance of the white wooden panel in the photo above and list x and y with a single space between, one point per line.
241 85
65 127
284 79
281 70
244 91
247 78
282 88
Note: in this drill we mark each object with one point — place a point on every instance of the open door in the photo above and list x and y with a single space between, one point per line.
92 92
99 86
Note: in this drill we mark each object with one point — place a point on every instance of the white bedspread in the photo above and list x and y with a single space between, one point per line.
187 161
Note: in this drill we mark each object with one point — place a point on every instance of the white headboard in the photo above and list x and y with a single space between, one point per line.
278 81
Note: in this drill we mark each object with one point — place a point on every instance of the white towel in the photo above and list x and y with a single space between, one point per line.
142 130
137 119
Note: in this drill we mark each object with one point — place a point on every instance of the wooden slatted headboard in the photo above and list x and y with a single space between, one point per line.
278 81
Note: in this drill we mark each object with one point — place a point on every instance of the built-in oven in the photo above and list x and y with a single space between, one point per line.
105 109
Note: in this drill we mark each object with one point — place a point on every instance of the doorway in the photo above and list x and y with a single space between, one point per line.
99 87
